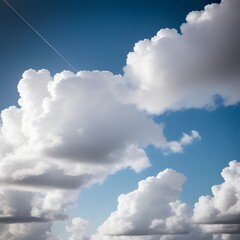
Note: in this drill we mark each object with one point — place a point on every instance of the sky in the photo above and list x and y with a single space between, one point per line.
137 138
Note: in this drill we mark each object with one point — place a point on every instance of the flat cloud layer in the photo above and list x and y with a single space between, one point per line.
196 68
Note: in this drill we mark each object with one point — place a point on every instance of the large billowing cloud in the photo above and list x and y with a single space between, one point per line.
191 69
73 130
221 212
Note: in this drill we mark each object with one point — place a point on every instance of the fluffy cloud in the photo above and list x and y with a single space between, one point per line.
15 206
19 206
192 69
224 206
53 204
16 220
155 209
78 229
25 214
72 130
221 212
152 212
177 146
29 231
151 209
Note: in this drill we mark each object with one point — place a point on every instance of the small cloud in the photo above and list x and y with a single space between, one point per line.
177 146
77 229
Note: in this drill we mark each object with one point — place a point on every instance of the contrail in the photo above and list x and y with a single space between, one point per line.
54 49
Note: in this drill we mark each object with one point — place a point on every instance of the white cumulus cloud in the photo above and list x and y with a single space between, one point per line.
153 208
78 229
224 206
220 213
72 130
190 69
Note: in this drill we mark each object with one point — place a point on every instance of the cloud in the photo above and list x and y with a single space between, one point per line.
24 214
223 207
21 207
220 213
29 231
53 204
226 237
152 209
221 228
16 220
71 131
78 229
177 146
196 68
21 219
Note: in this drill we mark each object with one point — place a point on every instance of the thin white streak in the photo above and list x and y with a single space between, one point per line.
54 49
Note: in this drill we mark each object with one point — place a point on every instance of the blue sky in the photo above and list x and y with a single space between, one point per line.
201 82
92 35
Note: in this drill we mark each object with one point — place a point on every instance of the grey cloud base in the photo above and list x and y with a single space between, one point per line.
21 219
